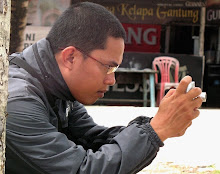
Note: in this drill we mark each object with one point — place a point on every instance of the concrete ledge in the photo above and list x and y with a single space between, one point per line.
199 146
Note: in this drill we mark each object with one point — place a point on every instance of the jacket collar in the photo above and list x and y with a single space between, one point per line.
54 82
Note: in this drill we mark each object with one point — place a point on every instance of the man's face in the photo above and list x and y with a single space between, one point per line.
88 80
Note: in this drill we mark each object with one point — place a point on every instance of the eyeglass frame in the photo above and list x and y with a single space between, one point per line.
110 69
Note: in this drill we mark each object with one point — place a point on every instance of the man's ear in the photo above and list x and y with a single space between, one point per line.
67 56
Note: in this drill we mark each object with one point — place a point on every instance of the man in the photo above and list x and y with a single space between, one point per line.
49 130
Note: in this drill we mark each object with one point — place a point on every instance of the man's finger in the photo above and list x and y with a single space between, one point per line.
193 93
169 93
181 89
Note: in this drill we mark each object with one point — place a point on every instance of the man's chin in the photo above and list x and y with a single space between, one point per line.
88 102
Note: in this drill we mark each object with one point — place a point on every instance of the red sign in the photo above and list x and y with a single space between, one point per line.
142 38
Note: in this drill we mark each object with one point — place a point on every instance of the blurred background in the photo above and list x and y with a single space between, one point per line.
186 30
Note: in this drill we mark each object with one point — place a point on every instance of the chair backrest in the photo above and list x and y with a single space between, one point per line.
164 63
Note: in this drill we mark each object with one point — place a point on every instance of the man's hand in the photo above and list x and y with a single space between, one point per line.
177 110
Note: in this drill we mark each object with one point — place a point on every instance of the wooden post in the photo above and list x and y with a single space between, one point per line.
167 39
202 31
5 15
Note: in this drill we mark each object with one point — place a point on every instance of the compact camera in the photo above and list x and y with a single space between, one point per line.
202 95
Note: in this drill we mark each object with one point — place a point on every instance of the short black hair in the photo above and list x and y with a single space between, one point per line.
85 25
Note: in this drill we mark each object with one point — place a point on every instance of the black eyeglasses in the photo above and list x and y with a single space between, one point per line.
110 69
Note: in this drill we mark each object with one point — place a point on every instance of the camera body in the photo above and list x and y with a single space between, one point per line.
202 95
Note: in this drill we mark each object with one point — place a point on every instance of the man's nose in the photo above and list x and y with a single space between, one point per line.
110 79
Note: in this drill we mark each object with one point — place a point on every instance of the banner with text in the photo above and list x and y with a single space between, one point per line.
142 37
213 15
155 12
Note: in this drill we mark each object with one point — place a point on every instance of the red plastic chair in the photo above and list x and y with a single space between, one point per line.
164 64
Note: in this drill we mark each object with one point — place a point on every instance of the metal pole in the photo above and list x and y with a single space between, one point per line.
145 89
218 50
202 31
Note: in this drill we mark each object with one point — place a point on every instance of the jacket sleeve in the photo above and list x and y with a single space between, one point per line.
86 132
125 150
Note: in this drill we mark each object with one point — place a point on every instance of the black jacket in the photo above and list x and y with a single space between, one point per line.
36 143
